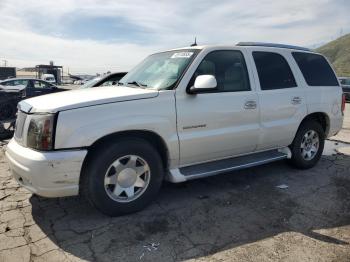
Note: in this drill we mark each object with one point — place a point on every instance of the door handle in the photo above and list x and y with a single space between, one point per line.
296 100
251 104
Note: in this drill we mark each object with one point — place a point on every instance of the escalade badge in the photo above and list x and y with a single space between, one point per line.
196 126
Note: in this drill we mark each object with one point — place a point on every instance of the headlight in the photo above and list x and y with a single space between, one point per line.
40 132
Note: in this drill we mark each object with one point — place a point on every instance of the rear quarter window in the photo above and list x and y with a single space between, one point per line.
315 69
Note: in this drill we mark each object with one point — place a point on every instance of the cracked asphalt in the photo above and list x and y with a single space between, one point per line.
240 216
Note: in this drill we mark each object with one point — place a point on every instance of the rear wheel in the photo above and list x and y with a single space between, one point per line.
123 177
308 145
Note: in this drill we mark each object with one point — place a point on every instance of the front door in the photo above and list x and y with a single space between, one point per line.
41 88
223 123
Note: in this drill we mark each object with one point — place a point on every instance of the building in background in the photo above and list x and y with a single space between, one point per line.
27 72
7 72
51 69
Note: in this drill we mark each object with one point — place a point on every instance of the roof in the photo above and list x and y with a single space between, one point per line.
273 45
20 78
24 78
247 45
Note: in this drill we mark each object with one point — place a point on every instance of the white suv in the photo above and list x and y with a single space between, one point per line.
179 115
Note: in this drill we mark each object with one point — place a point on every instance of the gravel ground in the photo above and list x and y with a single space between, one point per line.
241 216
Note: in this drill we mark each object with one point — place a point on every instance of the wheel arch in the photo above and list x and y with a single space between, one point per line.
153 138
320 117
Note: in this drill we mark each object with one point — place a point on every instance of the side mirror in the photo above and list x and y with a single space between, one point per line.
204 83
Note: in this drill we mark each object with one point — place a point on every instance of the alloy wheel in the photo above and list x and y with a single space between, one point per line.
309 145
127 178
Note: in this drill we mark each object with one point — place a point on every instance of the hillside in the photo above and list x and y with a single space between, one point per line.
338 52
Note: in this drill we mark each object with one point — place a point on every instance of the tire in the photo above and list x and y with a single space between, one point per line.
6 133
302 152
110 188
7 111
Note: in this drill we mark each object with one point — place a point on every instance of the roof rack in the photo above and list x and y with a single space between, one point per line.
273 45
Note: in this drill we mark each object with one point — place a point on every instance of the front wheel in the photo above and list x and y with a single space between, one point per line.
122 177
308 145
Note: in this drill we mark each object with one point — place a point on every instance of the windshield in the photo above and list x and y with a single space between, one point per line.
161 70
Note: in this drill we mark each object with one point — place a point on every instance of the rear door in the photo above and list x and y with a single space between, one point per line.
282 100
323 93
222 123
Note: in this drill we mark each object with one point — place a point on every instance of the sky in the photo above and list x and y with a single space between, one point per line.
95 36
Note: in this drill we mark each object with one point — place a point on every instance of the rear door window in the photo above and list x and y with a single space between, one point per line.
273 70
315 69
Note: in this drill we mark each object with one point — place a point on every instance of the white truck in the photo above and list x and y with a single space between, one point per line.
49 78
179 115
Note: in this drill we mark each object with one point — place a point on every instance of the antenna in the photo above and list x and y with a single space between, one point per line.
195 42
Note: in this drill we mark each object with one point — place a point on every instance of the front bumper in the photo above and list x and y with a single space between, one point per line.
48 174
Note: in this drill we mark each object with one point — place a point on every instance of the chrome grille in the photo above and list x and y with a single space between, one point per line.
21 119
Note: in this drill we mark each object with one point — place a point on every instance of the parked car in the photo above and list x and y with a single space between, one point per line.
179 115
14 90
108 80
50 78
345 83
8 108
31 87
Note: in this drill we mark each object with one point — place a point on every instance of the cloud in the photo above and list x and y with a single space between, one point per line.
100 35
80 56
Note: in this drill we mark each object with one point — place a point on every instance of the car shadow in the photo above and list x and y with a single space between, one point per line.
202 217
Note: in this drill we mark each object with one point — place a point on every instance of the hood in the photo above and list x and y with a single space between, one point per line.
56 102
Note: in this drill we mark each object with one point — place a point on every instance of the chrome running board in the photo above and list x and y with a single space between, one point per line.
226 165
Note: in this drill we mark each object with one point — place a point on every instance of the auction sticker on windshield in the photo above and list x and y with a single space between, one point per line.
182 55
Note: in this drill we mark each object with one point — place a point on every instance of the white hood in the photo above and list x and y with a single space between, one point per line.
66 100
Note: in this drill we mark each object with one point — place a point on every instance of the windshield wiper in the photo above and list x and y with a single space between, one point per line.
136 83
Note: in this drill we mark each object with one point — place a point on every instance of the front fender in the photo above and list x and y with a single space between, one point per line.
83 126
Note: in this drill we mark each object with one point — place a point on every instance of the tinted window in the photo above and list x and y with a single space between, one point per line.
315 69
40 84
15 82
229 69
8 83
273 70
20 82
111 81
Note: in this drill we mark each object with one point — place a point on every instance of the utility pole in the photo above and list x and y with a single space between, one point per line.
5 62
